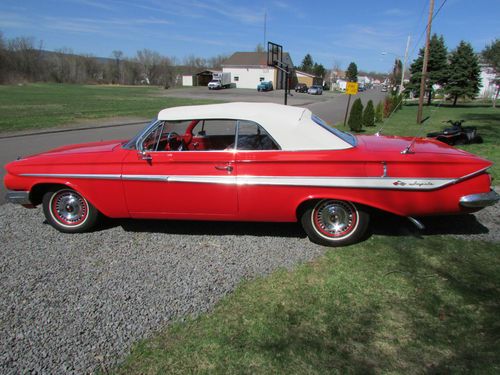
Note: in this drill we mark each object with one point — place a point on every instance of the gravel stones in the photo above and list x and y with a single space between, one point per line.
72 303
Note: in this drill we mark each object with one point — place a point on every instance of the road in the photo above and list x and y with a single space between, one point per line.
331 107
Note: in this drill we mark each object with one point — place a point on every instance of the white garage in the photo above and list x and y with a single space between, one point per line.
248 69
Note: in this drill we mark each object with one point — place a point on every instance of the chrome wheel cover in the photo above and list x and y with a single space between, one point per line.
335 219
69 208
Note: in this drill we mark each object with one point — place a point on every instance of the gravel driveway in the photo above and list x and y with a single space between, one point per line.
72 303
68 302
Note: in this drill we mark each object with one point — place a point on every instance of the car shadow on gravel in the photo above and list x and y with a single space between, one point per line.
381 223
259 229
391 225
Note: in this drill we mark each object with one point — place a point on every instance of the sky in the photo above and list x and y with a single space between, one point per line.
367 32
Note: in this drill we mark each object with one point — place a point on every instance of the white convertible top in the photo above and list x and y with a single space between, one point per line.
292 127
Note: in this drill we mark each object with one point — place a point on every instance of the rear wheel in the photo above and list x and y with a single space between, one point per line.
335 223
68 211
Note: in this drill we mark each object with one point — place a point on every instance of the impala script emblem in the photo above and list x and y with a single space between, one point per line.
413 183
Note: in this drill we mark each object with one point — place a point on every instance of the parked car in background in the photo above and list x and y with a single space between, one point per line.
301 87
251 162
315 90
265 86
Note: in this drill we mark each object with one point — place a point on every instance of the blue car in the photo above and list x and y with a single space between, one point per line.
265 86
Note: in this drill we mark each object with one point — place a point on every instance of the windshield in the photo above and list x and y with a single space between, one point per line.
131 144
347 137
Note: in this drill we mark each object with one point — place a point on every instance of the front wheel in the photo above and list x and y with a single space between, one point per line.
68 211
335 223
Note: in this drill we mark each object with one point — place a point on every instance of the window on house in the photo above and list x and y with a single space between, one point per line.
236 78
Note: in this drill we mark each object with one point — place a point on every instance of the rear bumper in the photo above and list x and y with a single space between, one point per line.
480 200
18 197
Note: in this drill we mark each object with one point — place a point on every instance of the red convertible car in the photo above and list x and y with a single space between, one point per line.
251 162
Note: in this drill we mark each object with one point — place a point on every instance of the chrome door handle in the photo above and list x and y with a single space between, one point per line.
228 168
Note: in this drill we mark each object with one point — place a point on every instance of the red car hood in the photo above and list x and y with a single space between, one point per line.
83 148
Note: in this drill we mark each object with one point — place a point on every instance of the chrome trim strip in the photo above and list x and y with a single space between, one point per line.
480 200
318 181
471 174
145 177
18 197
354 182
76 175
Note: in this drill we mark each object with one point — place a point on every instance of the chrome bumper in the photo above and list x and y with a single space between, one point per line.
18 197
480 200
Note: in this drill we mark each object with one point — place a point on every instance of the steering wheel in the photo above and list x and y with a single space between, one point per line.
172 139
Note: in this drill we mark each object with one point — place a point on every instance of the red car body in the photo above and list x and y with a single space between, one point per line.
190 178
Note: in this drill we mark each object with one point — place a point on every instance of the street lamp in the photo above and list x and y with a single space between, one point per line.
401 86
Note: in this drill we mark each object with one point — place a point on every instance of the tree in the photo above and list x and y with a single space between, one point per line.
319 70
356 116
379 112
351 73
464 73
307 64
397 72
369 115
491 55
437 67
116 67
259 48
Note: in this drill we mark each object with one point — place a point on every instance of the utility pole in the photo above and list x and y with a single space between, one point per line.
401 86
424 65
265 27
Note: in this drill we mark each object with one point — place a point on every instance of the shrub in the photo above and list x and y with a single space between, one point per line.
387 106
369 114
356 116
379 112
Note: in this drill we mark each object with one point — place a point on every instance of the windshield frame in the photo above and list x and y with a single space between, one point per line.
133 143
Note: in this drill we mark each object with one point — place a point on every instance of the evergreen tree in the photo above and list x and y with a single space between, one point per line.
379 112
307 64
491 56
397 71
464 72
351 73
356 116
369 114
437 67
319 70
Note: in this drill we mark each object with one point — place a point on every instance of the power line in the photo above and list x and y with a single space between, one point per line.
423 31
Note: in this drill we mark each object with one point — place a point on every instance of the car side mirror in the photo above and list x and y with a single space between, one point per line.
144 155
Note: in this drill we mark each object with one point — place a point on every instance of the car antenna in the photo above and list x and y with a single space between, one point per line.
408 149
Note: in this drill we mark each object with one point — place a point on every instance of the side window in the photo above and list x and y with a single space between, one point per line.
166 136
209 135
251 136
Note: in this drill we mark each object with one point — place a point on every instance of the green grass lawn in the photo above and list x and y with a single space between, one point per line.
37 106
387 305
484 117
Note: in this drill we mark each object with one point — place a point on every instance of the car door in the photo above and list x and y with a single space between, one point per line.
171 181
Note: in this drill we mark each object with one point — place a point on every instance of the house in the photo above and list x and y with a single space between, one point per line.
308 79
248 69
487 80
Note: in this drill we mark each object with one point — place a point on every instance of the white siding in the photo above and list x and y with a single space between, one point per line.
187 80
249 78
487 79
